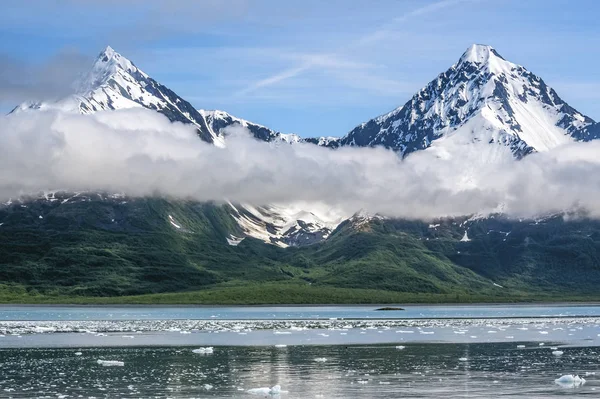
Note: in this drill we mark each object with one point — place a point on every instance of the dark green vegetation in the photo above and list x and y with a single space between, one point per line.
93 249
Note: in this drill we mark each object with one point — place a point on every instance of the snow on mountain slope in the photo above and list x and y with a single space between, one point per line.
114 83
218 121
287 225
483 98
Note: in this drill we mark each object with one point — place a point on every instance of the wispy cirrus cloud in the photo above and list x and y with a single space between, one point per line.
377 35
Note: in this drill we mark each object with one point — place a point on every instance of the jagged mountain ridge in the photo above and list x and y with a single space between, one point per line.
485 98
114 82
482 96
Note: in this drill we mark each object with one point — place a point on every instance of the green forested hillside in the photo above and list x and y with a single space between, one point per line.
102 249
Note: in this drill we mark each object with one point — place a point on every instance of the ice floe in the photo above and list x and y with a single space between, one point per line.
273 391
109 363
570 381
209 350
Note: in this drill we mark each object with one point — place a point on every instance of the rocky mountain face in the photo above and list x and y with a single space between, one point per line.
114 83
482 97
106 244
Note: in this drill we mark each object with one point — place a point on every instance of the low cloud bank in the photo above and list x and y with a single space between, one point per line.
139 152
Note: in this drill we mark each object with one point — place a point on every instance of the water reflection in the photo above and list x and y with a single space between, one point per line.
375 371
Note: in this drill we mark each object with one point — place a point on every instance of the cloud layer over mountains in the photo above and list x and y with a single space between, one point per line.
139 152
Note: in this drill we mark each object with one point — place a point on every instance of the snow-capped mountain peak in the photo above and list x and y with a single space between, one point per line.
480 54
108 64
114 82
481 98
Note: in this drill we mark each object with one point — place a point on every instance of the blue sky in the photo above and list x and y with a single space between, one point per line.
308 67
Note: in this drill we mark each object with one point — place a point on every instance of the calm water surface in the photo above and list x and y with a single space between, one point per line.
434 370
311 352
288 312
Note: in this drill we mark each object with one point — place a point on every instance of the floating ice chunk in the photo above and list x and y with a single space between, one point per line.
363 381
557 353
204 351
321 359
400 347
275 390
78 353
570 381
520 346
544 332
109 363
184 332
281 346
541 344
41 330
462 359
208 387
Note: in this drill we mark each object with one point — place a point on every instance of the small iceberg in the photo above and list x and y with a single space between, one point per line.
110 363
273 391
204 351
462 359
321 359
557 353
400 347
570 381
78 353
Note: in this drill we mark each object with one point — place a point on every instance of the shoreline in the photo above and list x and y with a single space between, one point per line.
310 305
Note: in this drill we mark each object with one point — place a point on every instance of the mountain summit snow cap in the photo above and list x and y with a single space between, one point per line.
480 54
106 67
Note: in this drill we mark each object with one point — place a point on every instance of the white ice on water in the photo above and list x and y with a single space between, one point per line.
266 391
204 351
570 381
108 363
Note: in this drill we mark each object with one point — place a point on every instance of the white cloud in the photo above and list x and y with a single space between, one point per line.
139 152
